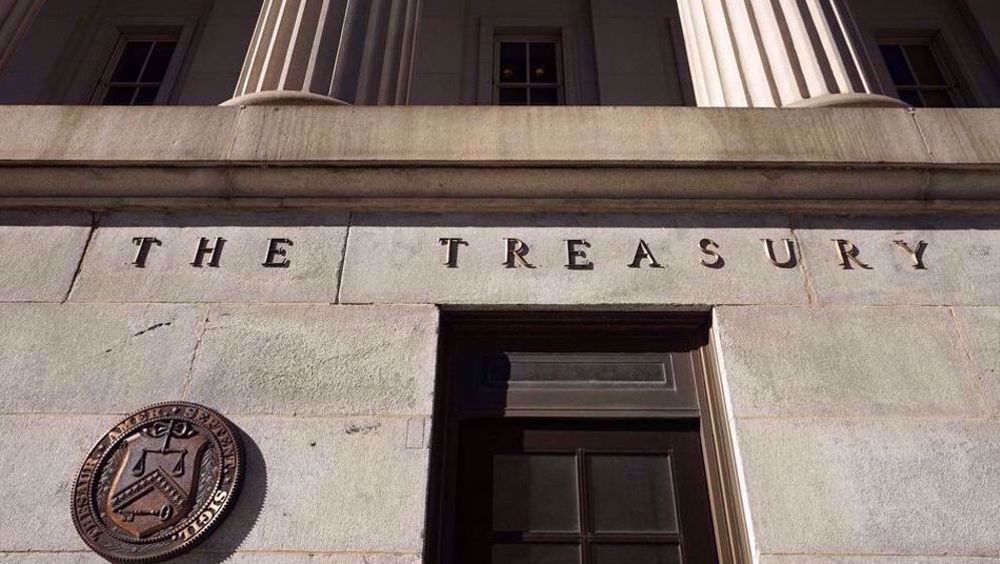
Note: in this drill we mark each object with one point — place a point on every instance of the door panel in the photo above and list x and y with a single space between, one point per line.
593 492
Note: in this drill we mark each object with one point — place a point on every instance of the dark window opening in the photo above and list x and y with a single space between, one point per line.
528 71
137 70
918 73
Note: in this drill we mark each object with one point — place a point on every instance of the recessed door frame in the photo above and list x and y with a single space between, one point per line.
686 334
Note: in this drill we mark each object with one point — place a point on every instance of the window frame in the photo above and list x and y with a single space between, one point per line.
559 84
955 86
166 85
692 331
564 29
77 76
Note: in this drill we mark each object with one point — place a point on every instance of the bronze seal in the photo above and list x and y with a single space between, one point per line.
158 482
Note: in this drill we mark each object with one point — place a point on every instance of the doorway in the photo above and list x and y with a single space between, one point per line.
565 438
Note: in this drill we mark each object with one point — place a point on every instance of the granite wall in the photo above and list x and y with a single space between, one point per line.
864 401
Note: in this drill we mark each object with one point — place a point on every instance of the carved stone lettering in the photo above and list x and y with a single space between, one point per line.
576 257
792 259
144 244
451 260
275 250
643 252
709 247
849 255
917 255
204 249
516 251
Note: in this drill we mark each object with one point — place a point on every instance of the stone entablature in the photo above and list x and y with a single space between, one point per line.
447 158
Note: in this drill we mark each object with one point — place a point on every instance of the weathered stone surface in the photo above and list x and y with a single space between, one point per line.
315 255
330 484
399 258
83 134
873 486
960 260
41 252
965 137
39 458
846 361
300 359
980 328
203 557
874 559
546 135
87 358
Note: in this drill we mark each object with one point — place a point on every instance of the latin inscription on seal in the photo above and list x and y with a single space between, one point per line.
158 482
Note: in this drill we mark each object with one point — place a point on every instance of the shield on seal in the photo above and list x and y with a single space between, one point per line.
155 486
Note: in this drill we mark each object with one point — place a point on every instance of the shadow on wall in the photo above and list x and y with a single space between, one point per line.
228 538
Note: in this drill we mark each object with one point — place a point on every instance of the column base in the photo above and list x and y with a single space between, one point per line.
850 101
284 98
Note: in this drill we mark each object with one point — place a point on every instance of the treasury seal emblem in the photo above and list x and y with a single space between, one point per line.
158 482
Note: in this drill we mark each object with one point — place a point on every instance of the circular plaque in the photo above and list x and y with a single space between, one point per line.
158 482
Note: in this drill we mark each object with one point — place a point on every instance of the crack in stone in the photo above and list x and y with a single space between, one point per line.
153 327
149 329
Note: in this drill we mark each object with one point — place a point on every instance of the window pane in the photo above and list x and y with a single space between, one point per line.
535 492
146 96
925 65
513 62
130 63
544 96
543 62
937 99
911 97
159 59
631 493
119 96
536 554
644 553
513 96
896 62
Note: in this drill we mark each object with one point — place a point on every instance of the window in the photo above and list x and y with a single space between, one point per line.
575 439
528 71
137 70
918 73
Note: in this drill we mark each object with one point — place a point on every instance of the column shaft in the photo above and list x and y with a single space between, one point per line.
329 51
777 53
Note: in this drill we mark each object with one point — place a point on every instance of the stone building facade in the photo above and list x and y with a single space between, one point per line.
768 229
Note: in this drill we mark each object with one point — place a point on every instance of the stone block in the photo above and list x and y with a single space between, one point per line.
329 484
873 559
980 328
313 246
846 361
41 253
539 135
86 358
82 134
307 359
958 260
203 557
873 486
961 136
400 259
39 458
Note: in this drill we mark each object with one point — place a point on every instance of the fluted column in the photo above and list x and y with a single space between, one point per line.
329 52
778 53
15 19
